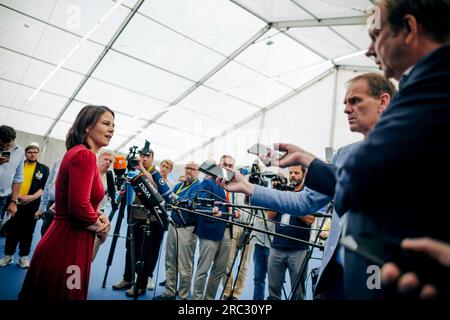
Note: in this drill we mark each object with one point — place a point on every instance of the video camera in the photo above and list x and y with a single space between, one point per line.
132 158
281 183
255 175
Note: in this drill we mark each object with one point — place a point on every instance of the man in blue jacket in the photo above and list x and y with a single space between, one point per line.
214 238
181 240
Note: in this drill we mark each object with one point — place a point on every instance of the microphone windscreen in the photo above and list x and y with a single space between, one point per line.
110 184
120 163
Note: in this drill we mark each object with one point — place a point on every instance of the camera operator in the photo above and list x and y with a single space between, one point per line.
145 165
285 253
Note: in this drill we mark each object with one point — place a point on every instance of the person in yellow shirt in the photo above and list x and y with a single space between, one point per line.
20 228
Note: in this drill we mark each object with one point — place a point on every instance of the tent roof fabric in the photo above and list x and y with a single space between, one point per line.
176 72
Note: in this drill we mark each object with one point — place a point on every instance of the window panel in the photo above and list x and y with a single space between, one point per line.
246 84
276 10
217 105
44 104
356 34
276 54
167 49
206 21
193 122
126 72
322 40
24 121
97 92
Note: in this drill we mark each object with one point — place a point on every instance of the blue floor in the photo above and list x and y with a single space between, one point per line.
11 276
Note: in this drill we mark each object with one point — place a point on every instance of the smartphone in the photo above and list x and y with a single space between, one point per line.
262 150
213 170
6 154
380 250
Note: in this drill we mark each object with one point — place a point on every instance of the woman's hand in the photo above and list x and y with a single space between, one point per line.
103 230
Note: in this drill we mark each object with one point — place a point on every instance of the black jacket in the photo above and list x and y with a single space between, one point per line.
396 184
40 176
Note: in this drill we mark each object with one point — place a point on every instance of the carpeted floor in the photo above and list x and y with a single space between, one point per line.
11 276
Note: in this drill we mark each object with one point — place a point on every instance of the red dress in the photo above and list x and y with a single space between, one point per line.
61 263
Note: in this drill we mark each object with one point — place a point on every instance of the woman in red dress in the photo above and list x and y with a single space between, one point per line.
61 263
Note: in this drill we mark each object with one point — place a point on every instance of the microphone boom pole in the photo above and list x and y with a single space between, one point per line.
250 227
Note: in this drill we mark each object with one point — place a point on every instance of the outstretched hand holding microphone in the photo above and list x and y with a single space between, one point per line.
283 155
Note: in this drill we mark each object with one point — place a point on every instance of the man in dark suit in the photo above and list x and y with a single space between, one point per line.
20 228
378 185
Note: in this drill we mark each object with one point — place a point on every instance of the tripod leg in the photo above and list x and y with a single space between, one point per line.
233 287
140 264
228 274
298 285
132 248
114 239
301 277
243 245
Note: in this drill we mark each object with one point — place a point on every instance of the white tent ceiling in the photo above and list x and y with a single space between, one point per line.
180 73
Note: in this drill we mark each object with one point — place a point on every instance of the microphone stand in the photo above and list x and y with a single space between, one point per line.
114 206
125 204
267 232
242 245
247 226
301 276
116 233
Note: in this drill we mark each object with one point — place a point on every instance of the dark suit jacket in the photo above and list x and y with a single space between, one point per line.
321 177
392 184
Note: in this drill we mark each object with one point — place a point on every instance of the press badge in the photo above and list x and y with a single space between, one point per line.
38 175
285 219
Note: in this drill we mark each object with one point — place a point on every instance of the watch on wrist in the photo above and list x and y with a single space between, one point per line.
14 201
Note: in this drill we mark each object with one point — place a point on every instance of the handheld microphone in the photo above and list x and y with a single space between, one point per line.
149 196
120 165
111 188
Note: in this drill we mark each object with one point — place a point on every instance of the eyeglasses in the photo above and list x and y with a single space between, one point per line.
32 152
188 168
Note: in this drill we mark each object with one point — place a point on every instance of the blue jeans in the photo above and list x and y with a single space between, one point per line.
260 260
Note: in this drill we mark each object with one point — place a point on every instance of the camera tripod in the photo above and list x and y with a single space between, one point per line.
299 282
241 247
125 203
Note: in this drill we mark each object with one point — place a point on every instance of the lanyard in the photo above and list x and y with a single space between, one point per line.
183 187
